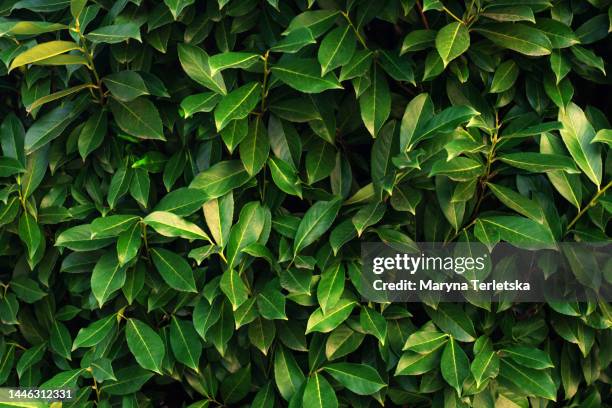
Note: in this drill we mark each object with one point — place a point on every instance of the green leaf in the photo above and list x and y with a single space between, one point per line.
41 52
505 76
184 342
92 134
444 122
261 334
527 356
287 373
509 13
452 320
171 225
95 333
418 112
146 346
182 201
455 366
368 215
49 127
227 60
218 213
139 118
315 222
29 27
271 304
375 103
577 134
102 370
60 340
589 58
425 341
603 136
416 364
112 225
568 185
342 341
202 102
517 37
177 6
336 49
107 277
294 42
560 93
451 41
317 21
204 317
130 380
531 382
285 177
559 34
30 233
318 393
220 179
326 322
30 357
559 64
418 40
245 232
303 74
234 288
116 33
539 163
517 202
27 289
12 135
331 286
373 323
484 366
357 66
520 231
237 104
458 169
196 63
360 379
320 161
175 271
125 85
255 147
64 379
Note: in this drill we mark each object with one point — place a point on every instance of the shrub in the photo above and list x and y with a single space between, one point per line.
185 186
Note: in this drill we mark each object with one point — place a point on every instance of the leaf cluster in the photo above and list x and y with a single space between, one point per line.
184 187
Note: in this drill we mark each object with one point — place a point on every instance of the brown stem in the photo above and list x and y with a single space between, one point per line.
422 14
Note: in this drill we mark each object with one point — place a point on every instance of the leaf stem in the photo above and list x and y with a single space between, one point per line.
144 237
422 14
591 204
264 86
90 63
450 13
350 23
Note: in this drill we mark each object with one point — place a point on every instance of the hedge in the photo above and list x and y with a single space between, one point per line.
185 186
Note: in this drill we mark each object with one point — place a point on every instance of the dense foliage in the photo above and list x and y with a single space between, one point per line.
185 186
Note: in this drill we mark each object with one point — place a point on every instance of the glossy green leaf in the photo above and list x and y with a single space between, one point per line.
517 37
175 271
171 225
451 41
304 75
360 379
145 345
315 222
